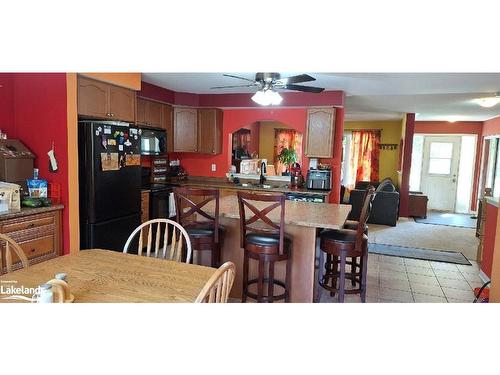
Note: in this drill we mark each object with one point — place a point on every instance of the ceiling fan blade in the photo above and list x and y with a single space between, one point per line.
303 88
245 79
298 79
230 87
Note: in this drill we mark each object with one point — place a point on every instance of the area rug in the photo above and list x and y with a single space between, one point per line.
449 219
454 257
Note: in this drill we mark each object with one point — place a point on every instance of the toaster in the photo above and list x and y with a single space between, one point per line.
319 179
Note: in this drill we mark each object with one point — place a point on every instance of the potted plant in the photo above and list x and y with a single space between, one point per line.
287 156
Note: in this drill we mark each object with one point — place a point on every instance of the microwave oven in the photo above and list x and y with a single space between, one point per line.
153 141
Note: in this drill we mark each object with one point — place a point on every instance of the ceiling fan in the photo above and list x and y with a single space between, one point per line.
268 83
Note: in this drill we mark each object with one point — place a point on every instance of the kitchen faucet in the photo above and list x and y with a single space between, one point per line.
262 171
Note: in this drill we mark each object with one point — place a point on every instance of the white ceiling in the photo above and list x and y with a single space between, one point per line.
372 96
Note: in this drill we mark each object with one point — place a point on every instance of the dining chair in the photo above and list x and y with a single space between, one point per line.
165 246
218 287
10 245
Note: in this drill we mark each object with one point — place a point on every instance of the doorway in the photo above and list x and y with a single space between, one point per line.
441 157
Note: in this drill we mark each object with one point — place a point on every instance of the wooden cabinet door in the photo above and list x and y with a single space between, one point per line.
319 134
154 113
121 103
92 98
144 206
141 111
168 124
185 130
209 131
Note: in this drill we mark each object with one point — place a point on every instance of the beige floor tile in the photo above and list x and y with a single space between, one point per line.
398 267
420 270
449 274
475 284
444 266
373 292
431 290
388 274
458 294
395 284
454 300
474 269
423 279
454 284
417 263
425 298
472 278
395 295
388 259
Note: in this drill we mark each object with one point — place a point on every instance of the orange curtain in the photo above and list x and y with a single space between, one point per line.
365 152
286 138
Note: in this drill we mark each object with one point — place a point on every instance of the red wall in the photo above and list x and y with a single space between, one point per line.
489 238
7 104
462 127
491 127
40 118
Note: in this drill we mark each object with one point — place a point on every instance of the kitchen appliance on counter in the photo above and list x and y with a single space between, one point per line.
319 179
16 162
298 197
153 141
110 183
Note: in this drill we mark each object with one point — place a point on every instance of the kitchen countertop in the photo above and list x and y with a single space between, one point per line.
313 215
223 184
29 211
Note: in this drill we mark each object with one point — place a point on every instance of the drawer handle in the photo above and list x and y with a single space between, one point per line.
33 250
32 225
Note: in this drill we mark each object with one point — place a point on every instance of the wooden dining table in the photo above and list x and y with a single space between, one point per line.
107 276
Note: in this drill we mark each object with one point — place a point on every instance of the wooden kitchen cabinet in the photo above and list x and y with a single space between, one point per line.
144 206
209 131
149 112
105 101
185 129
168 124
37 231
319 132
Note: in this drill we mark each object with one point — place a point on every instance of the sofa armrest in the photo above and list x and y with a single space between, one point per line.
385 208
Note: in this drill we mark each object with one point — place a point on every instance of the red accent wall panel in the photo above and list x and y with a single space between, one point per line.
40 119
491 127
489 238
7 105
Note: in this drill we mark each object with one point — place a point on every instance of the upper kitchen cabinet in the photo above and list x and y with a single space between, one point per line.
185 130
149 113
209 131
101 100
168 125
319 134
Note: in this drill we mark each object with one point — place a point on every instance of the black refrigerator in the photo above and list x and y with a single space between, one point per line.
109 182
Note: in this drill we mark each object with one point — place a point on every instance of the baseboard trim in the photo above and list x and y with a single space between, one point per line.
483 276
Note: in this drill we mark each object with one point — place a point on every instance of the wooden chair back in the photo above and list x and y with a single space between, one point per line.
189 205
365 214
160 228
218 287
7 245
260 216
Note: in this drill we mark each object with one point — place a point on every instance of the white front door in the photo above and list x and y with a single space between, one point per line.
440 172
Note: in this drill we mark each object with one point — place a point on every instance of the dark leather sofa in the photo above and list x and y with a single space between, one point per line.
385 208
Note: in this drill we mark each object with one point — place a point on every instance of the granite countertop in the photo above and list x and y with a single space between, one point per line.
223 184
29 211
313 215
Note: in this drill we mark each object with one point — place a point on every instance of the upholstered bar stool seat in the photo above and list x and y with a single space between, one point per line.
203 231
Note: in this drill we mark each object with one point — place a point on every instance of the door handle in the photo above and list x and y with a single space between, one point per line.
454 180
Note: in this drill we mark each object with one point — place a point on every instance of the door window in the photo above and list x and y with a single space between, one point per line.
441 154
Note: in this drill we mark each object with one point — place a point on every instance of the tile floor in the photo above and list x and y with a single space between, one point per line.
394 279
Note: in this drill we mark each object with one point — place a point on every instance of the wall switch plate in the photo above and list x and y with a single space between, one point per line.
214 167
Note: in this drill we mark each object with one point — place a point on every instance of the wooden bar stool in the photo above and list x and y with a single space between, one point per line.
265 242
204 230
343 247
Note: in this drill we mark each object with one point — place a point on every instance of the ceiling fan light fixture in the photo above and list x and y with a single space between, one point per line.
488 102
267 97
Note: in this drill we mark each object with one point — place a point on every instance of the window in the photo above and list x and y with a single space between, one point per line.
441 154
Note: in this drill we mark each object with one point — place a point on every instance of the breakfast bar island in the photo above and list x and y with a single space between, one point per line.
302 220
